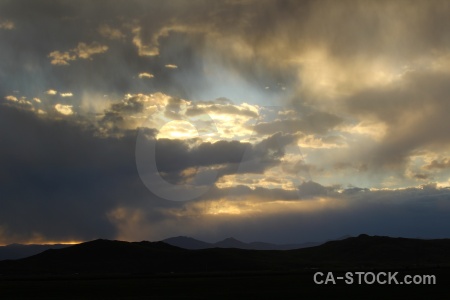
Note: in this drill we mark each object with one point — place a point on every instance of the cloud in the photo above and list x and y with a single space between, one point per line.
64 95
227 109
353 211
110 32
60 183
61 58
317 122
311 189
171 66
11 98
97 167
435 164
144 50
21 101
8 25
51 92
72 174
83 50
86 51
146 75
414 113
64 109
175 157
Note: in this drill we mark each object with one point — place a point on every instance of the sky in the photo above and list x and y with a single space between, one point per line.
270 120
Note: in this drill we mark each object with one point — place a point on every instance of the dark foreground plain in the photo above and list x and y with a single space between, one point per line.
217 286
119 270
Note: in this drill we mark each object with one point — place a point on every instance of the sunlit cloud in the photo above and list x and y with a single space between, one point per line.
171 66
11 98
51 92
61 58
64 109
145 50
83 50
21 101
64 95
146 75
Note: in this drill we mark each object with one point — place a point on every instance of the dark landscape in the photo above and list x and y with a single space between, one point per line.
17 251
133 270
193 244
224 149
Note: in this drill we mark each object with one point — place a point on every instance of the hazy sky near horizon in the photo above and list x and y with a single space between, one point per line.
280 121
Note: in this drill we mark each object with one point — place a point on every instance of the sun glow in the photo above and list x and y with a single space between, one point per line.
48 242
178 130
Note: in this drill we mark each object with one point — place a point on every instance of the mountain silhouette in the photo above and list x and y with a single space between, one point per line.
187 243
194 244
17 251
118 257
231 243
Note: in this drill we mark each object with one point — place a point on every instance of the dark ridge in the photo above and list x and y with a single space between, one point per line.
118 257
187 243
193 244
382 251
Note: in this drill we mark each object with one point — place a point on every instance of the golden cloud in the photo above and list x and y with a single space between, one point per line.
146 75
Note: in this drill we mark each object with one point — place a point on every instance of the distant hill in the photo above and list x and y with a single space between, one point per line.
187 243
17 251
117 257
193 244
366 250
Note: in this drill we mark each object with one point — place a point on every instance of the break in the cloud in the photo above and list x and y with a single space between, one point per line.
296 119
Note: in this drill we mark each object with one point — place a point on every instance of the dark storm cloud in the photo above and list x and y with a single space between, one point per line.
57 180
311 189
60 179
411 212
228 157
